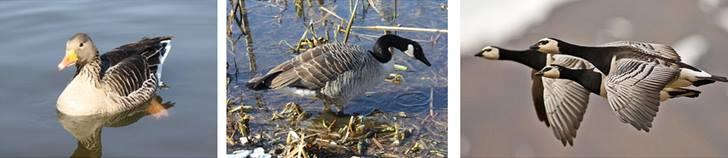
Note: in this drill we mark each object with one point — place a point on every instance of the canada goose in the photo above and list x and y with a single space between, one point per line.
636 74
593 81
118 80
336 72
558 102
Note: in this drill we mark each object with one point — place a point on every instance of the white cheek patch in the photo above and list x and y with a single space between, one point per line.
410 51
493 54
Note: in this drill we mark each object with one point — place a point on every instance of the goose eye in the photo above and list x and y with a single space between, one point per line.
80 45
488 50
544 42
547 69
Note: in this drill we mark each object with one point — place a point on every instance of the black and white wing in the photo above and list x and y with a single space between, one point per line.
633 90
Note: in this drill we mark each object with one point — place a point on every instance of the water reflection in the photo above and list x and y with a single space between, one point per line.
87 129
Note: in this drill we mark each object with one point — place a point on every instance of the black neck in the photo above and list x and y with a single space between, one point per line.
381 52
588 79
601 57
532 59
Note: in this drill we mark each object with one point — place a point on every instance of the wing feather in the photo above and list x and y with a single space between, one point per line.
633 91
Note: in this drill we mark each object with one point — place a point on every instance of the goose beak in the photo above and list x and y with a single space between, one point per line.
539 73
480 54
424 60
68 60
534 47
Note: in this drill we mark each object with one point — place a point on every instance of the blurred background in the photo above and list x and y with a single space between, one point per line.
498 118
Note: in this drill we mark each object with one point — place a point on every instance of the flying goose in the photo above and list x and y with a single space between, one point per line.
118 80
558 102
594 81
336 72
636 73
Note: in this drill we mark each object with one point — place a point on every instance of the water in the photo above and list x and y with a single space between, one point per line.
33 41
274 24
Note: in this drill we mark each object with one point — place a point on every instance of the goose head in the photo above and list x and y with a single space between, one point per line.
409 47
79 51
550 71
489 52
547 45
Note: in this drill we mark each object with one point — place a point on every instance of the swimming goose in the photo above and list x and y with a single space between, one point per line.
558 102
118 80
636 73
594 81
336 72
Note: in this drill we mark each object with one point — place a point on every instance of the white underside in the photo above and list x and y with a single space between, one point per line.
306 93
687 77
80 98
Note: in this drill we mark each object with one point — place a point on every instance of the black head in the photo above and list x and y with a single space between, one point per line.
409 47
79 51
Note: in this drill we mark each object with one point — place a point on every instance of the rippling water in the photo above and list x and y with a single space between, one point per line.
33 37
274 24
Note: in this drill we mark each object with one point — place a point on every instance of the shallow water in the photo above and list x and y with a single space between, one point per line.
273 24
33 40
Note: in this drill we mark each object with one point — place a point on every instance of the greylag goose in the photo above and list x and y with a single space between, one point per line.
336 72
118 80
559 103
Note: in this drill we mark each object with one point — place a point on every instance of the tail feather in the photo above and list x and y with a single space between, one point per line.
261 83
683 92
708 80
165 47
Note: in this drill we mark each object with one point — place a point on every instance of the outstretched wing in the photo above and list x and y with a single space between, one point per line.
653 49
565 100
633 90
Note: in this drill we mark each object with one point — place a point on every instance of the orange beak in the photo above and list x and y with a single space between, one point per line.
68 60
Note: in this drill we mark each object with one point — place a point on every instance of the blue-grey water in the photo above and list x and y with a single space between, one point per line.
32 38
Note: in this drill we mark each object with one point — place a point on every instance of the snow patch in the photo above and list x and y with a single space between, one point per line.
493 23
692 48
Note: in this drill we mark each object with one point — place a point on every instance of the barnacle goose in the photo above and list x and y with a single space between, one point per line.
559 103
636 73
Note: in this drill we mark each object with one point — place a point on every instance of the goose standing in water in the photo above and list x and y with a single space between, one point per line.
635 72
336 72
118 80
559 103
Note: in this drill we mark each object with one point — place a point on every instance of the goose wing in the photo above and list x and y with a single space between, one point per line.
653 49
537 92
153 50
633 90
314 68
129 81
565 100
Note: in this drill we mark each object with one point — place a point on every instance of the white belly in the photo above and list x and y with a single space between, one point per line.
80 98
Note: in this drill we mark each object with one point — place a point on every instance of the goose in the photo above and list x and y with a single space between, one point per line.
594 81
636 73
558 102
336 72
118 80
